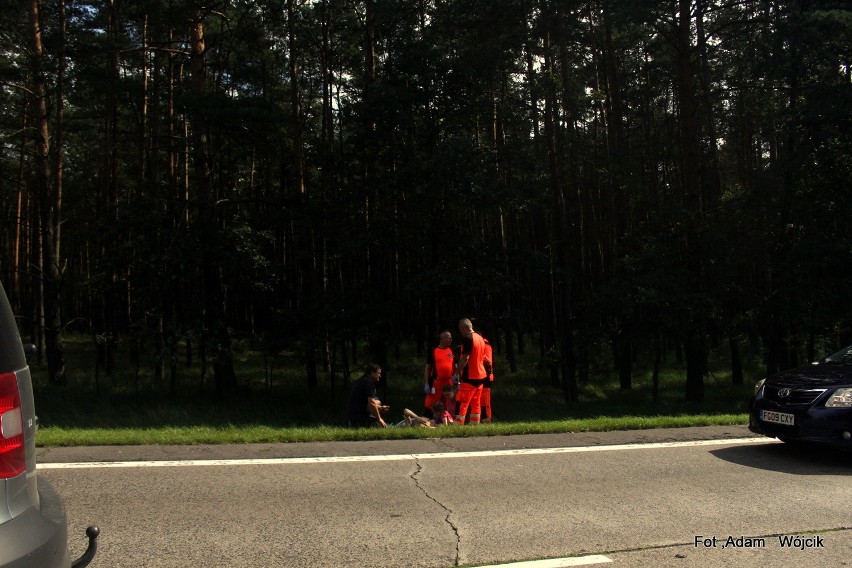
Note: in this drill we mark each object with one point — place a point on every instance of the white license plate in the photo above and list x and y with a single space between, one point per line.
777 417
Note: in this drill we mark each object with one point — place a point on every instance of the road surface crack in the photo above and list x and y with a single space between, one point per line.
414 477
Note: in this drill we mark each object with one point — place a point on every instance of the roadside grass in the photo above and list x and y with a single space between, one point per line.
130 408
192 435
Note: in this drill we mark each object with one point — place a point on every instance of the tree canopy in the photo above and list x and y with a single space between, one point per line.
318 172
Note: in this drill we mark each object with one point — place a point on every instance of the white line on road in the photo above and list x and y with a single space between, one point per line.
400 457
555 562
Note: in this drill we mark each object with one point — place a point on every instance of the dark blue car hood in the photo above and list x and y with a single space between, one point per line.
821 375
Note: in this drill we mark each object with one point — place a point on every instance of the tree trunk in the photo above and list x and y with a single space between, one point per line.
736 361
695 349
618 202
625 358
691 188
213 299
60 127
711 194
306 237
143 110
561 273
510 345
295 100
22 199
51 275
658 359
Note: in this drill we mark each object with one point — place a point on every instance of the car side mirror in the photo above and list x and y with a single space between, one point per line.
29 350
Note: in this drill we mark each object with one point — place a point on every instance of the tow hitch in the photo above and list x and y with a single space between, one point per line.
92 532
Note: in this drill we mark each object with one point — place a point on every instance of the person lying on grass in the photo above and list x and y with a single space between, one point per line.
442 418
409 418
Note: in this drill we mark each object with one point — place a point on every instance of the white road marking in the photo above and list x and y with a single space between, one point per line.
401 457
555 562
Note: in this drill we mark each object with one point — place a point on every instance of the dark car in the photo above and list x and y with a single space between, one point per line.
808 404
33 530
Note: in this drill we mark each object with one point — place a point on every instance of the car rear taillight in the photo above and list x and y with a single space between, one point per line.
13 459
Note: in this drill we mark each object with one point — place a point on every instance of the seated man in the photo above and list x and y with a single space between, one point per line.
365 409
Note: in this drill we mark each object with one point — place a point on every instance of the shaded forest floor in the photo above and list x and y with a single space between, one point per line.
280 397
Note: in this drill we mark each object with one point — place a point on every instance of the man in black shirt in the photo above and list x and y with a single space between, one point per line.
365 409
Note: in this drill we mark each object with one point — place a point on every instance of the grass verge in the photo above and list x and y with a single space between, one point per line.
189 435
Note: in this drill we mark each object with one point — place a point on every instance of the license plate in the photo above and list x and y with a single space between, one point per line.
777 417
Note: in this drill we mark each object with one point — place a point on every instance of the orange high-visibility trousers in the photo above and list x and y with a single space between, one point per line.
469 396
485 399
437 391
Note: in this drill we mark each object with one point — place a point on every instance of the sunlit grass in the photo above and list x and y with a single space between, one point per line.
191 435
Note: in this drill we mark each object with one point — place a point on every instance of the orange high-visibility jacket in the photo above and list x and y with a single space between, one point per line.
442 362
474 347
489 360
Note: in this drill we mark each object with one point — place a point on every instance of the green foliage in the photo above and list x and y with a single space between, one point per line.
519 162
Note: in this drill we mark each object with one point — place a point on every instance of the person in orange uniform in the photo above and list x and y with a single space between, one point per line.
486 387
472 374
440 363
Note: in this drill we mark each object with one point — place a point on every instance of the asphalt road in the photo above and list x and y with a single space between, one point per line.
655 502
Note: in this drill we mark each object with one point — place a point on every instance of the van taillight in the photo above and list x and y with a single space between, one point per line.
13 459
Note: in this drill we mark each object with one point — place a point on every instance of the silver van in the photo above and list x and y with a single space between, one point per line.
33 531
